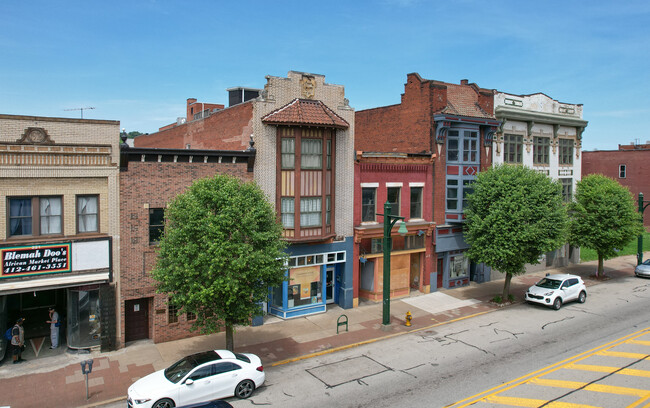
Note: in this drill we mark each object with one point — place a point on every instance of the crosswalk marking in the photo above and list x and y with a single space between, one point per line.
532 403
605 369
574 385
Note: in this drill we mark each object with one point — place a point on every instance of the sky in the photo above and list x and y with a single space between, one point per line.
138 61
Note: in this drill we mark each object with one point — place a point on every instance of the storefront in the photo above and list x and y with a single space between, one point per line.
314 281
72 277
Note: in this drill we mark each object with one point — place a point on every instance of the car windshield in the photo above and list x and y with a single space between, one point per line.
179 369
549 283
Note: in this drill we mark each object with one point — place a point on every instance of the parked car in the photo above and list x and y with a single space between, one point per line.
555 290
643 269
197 378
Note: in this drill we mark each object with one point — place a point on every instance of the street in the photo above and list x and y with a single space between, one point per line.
443 365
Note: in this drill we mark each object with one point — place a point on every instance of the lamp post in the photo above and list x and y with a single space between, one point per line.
389 223
642 206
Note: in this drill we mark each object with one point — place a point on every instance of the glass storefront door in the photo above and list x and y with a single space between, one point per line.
330 284
83 326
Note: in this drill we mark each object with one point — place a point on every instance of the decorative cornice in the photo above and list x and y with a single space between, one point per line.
504 112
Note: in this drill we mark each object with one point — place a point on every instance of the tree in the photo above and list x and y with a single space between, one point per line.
220 252
514 214
133 134
603 217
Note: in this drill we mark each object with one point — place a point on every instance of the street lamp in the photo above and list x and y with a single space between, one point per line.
642 207
389 223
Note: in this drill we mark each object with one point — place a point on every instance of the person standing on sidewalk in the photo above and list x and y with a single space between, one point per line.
18 340
54 328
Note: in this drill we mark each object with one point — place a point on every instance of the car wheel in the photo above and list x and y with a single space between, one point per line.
244 389
557 304
164 403
582 297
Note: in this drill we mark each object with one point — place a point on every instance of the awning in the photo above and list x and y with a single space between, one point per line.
30 285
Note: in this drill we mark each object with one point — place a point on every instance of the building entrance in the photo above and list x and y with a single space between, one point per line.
136 319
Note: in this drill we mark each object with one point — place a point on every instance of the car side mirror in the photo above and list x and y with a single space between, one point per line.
189 381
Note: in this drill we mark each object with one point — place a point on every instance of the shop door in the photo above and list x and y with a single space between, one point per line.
440 271
136 316
415 271
330 284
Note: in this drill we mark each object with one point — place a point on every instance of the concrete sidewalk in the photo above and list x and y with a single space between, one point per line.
55 378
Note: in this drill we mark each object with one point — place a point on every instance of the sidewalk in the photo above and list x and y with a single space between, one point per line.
55 379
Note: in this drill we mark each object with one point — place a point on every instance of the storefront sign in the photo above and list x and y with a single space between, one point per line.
35 260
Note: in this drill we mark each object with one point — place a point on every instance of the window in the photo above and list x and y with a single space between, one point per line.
540 150
22 218
467 189
376 245
452 194
310 212
191 316
414 241
416 202
452 146
512 148
458 266
311 154
202 372
288 212
87 214
328 210
470 146
172 313
566 151
156 224
329 154
288 153
567 189
393 199
368 201
622 171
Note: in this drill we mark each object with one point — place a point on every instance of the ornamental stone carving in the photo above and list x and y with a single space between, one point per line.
308 87
35 135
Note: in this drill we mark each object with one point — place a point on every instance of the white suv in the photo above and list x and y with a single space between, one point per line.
554 290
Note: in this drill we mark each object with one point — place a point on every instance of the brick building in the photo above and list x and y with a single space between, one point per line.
303 131
629 165
405 181
60 236
455 122
149 180
546 135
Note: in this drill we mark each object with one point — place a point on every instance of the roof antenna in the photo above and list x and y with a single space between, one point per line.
80 109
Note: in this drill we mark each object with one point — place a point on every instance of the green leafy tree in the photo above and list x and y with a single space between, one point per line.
603 217
221 250
514 214
133 134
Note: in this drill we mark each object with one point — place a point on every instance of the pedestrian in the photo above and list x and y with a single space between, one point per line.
54 328
18 340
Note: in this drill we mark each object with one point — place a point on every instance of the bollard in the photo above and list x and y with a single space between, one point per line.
340 323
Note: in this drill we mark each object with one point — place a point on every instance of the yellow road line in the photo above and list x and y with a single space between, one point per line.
642 342
574 385
532 403
623 354
605 369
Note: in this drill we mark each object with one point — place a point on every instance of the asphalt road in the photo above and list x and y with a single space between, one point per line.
446 364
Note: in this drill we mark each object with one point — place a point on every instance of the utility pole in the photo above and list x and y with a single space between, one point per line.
80 109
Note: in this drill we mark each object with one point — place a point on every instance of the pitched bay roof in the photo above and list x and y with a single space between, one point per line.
305 112
462 101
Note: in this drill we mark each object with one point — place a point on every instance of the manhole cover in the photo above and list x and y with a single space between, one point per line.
348 370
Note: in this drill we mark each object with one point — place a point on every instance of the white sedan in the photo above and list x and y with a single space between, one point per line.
199 378
554 290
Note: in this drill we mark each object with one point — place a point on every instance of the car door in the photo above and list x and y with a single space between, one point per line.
227 376
197 386
572 289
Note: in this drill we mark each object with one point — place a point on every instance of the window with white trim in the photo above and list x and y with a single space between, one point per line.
512 148
567 189
393 197
416 202
541 148
622 171
566 151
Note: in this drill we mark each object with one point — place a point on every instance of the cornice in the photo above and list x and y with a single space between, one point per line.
504 112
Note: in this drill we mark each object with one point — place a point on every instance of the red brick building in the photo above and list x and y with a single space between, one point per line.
629 165
149 180
455 122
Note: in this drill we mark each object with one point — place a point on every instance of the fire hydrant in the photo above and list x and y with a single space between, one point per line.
408 318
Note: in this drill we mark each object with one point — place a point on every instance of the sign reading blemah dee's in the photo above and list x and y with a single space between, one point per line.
35 260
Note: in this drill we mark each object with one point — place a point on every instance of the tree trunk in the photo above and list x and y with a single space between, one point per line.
230 342
506 287
601 269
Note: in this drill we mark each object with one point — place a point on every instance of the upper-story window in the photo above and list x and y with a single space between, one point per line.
512 148
287 211
35 216
87 213
567 189
156 224
416 202
311 154
288 153
541 147
452 194
368 204
622 171
462 144
470 146
452 145
393 197
467 190
329 153
310 212
566 151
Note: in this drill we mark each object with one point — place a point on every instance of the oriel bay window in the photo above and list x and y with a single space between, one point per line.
305 181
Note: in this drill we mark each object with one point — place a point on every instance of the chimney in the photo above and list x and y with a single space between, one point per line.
464 81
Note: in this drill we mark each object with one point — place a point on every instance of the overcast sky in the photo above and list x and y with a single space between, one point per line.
138 61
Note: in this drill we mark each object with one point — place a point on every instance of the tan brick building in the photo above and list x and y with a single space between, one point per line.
59 237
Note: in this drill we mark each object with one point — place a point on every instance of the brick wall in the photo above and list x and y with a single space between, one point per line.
152 185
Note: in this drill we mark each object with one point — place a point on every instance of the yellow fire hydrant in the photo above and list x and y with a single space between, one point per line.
408 318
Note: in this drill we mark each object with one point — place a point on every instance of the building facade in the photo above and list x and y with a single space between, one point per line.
546 135
59 238
149 180
456 123
629 165
303 131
